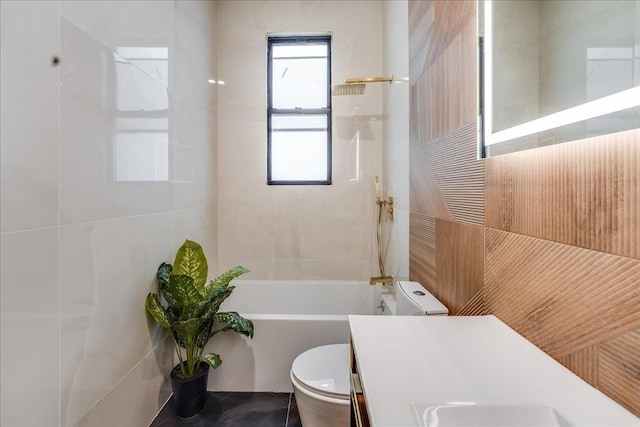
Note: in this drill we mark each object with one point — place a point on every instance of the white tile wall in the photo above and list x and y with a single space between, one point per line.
30 116
106 272
29 328
80 249
308 231
396 135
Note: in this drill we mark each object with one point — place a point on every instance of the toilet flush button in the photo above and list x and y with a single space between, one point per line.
419 293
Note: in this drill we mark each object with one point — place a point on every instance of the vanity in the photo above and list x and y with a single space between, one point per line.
460 371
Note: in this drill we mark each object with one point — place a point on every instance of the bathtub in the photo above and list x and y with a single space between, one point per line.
289 317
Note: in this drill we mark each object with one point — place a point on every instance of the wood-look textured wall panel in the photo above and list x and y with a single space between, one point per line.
433 24
619 369
560 297
476 306
459 263
458 175
585 193
422 250
562 227
447 100
421 26
583 363
424 195
469 72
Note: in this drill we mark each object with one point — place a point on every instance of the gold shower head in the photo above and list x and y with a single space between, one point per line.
348 89
356 86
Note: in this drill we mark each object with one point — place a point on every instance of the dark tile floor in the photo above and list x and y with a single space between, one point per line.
236 409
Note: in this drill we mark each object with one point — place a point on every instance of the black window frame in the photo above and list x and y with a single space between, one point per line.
326 111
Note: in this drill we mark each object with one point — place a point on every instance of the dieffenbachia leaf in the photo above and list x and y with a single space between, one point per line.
216 301
188 328
164 272
156 310
212 359
204 334
235 322
183 291
190 261
219 284
197 309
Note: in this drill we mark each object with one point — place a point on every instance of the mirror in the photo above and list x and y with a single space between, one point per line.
557 71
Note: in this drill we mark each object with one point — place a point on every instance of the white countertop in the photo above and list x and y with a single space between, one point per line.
438 359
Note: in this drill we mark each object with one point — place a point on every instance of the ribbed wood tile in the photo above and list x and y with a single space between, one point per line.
565 269
459 263
425 196
458 175
469 72
422 250
433 24
583 363
446 92
421 22
585 193
475 306
560 297
619 370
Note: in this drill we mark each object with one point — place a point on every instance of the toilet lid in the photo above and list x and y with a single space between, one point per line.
324 370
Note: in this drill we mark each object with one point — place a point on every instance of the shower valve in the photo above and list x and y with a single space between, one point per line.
390 209
388 203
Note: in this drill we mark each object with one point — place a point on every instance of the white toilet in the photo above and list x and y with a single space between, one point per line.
320 376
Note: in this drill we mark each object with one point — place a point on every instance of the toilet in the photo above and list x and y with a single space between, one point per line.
320 376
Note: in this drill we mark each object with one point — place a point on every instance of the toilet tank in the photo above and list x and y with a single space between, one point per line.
414 300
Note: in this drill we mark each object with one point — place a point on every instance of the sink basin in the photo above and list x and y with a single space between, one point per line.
464 414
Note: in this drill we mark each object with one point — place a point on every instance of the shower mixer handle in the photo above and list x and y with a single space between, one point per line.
388 203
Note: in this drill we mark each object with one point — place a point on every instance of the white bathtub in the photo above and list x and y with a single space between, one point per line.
289 318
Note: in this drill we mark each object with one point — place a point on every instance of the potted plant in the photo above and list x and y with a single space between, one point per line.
190 314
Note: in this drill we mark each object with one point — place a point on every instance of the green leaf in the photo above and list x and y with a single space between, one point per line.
216 301
183 291
166 293
212 290
156 310
235 322
179 339
197 309
188 329
190 261
212 359
204 334
164 275
164 272
217 285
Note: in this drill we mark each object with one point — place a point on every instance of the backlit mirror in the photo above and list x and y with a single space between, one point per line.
557 70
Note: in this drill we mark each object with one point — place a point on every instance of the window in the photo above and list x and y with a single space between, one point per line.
299 110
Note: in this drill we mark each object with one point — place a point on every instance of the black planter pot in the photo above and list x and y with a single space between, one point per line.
189 394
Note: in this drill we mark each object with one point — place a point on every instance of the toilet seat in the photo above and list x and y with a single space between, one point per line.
324 371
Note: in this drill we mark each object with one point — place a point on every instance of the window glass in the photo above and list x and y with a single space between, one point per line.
300 83
299 110
299 156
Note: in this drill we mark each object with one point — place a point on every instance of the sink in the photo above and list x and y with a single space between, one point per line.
464 414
